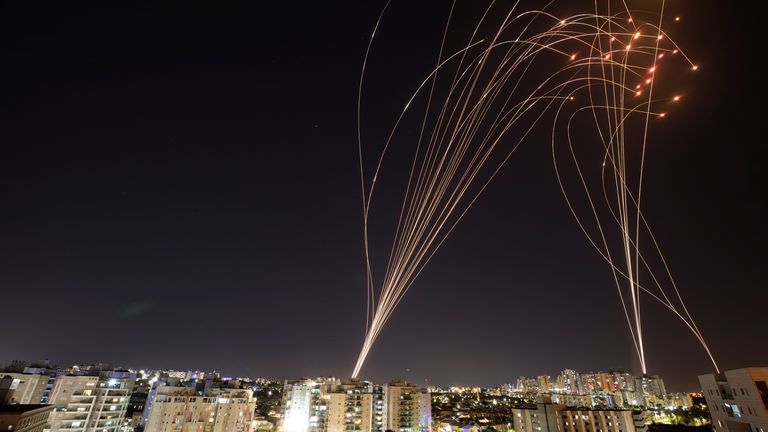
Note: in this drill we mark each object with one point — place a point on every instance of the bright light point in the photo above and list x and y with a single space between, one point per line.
695 67
674 52
638 93
573 56
660 37
648 81
629 47
637 35
629 20
607 56
562 22
661 55
652 70
662 114
613 38
637 86
571 97
677 18
676 98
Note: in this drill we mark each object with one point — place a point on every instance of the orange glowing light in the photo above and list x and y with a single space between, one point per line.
677 18
695 67
676 98
573 56
662 114
637 35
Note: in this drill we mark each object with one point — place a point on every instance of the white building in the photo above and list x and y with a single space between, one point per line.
181 409
327 405
88 403
548 417
305 404
737 399
356 407
409 407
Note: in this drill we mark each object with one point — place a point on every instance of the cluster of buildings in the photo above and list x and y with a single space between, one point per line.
102 399
328 405
42 398
605 389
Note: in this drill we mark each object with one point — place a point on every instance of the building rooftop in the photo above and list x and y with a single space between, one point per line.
19 408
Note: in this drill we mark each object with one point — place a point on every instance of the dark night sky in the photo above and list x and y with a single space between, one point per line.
178 189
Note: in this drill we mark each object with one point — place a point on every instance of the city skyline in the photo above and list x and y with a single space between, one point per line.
515 381
185 183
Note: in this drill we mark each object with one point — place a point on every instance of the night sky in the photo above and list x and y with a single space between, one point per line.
178 189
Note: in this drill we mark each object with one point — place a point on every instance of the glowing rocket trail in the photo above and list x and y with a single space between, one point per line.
482 101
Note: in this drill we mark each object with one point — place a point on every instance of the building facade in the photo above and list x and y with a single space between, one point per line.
88 403
327 405
181 409
737 399
409 407
24 418
22 388
546 416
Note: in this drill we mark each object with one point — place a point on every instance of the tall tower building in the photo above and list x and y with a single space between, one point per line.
409 407
305 404
358 406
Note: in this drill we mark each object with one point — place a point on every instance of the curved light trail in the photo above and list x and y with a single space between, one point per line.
482 100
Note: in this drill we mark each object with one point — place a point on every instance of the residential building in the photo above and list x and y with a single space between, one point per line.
409 407
737 399
304 404
546 416
181 409
24 417
88 403
358 406
22 388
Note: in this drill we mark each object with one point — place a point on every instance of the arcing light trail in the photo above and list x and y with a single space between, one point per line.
483 100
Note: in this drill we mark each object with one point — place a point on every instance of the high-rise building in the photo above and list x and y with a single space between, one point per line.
737 399
569 382
88 403
651 389
305 404
358 406
181 409
544 383
409 407
327 405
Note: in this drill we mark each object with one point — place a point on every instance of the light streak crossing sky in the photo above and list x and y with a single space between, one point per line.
534 69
